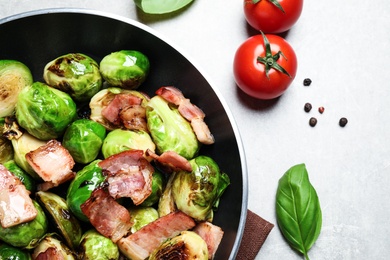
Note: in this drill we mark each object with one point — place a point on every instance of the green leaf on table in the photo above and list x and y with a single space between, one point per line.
298 210
161 6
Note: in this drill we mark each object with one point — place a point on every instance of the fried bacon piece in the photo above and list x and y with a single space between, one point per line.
110 219
53 163
125 110
210 233
16 206
189 111
141 244
171 160
129 175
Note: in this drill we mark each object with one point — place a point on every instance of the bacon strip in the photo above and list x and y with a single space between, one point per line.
16 206
210 233
141 244
171 160
129 175
110 219
53 163
119 102
189 111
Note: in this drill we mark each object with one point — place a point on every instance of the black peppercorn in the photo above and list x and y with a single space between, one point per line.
312 121
307 82
343 121
307 107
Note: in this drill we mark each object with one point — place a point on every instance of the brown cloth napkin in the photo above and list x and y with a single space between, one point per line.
255 233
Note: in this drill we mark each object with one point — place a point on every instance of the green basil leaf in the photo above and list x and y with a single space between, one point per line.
161 6
298 210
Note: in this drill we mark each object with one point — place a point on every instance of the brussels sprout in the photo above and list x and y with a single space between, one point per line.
166 203
76 74
197 193
82 186
188 244
83 139
169 130
44 111
103 98
8 252
120 140
127 69
141 216
95 246
158 181
23 145
24 177
28 234
14 76
52 248
6 151
58 211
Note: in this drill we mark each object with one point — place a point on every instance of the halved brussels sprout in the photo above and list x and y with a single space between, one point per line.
58 212
166 203
169 130
24 177
43 111
26 235
120 140
76 74
158 183
94 246
127 69
104 97
52 248
82 186
14 76
141 216
83 139
8 252
197 193
6 151
188 244
23 145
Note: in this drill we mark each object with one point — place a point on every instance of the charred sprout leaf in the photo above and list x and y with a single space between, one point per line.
26 235
141 216
169 130
126 69
161 6
166 203
76 74
58 211
6 150
43 111
158 184
83 139
51 247
298 209
8 252
82 186
188 243
14 76
94 246
24 177
197 193
120 140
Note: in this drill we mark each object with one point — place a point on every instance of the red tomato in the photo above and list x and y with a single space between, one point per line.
265 16
253 59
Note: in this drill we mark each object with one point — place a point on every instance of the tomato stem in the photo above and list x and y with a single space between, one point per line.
274 2
270 61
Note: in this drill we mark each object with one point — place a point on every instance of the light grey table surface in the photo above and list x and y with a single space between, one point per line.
344 47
